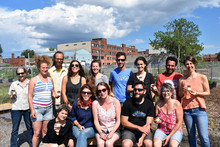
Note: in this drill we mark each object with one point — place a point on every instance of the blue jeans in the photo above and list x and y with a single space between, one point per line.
82 135
193 118
16 116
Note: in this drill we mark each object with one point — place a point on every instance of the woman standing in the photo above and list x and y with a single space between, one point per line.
18 92
169 120
60 130
40 98
106 113
72 83
95 76
81 116
141 75
193 87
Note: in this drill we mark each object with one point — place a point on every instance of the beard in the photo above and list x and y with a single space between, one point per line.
138 99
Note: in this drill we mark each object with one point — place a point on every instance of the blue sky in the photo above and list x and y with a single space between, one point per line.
40 24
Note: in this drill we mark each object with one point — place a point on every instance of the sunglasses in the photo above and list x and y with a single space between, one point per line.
138 89
121 60
20 73
86 92
74 65
103 90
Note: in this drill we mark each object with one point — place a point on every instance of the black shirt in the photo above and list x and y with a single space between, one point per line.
148 80
52 137
137 113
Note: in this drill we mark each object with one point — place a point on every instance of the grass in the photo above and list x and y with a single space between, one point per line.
4 97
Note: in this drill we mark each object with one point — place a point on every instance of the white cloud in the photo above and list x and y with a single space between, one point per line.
211 47
80 20
137 41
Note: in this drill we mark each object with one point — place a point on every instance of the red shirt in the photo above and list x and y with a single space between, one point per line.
173 80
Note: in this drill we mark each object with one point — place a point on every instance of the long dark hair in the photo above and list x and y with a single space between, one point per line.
91 77
81 70
80 99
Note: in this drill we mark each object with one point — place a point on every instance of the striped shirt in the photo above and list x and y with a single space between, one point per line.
42 93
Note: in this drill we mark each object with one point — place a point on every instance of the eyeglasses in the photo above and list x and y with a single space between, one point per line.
86 92
59 59
121 60
138 89
74 65
20 73
102 90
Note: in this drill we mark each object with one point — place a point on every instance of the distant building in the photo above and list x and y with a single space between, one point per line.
156 51
19 61
98 48
210 57
146 52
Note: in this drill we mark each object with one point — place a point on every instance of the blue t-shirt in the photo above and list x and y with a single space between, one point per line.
120 78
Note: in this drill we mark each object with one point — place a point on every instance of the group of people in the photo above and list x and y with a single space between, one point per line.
66 107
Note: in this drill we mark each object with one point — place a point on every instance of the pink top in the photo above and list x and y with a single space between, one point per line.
107 119
190 101
168 121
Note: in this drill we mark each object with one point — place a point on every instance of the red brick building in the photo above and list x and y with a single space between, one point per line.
210 57
20 61
106 52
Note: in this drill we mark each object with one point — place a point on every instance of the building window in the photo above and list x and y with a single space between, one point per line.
67 45
74 44
83 43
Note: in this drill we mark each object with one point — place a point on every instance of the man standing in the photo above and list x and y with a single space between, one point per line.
170 76
137 117
57 72
119 77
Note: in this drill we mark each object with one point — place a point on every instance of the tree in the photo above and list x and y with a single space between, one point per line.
31 53
180 38
51 49
1 50
218 56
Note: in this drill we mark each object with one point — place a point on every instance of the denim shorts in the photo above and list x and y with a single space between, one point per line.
43 113
161 135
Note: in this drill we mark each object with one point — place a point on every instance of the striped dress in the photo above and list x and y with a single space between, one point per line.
42 93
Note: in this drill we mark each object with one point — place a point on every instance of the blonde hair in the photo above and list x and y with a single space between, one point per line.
42 59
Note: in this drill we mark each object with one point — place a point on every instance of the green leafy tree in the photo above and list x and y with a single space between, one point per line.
1 50
51 49
31 53
218 56
180 38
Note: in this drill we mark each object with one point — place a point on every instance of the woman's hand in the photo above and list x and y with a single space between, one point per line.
157 120
70 143
33 114
109 136
103 136
140 142
81 127
166 140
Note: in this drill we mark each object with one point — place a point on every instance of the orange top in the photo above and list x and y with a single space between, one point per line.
190 101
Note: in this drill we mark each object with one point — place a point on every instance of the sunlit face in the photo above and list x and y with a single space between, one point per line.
190 67
121 61
43 69
75 67
170 66
103 92
21 74
138 90
166 93
95 68
62 115
59 59
86 94
140 65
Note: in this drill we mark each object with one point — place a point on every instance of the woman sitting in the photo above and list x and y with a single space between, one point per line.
170 117
81 116
106 112
59 129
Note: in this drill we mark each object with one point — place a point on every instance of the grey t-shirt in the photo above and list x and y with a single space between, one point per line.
104 78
